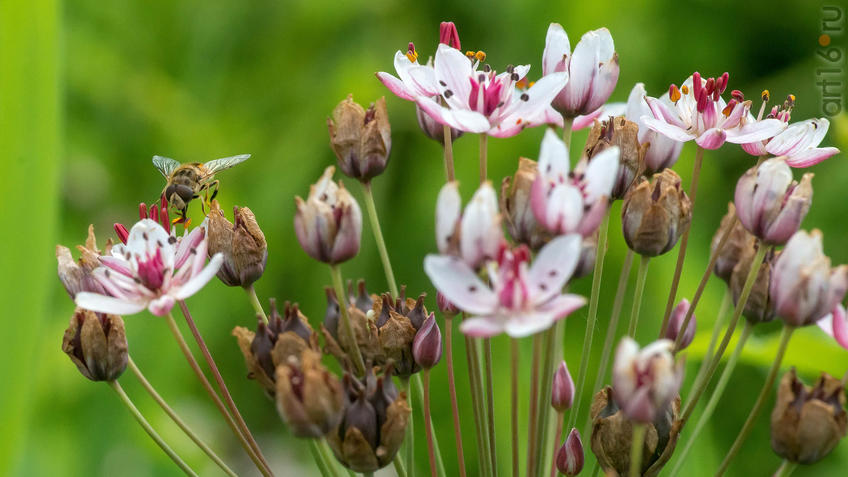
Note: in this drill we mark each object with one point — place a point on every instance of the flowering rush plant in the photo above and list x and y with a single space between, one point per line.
355 385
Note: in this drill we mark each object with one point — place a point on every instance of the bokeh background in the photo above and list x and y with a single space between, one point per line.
89 91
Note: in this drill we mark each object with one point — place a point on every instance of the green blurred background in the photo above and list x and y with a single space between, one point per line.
89 91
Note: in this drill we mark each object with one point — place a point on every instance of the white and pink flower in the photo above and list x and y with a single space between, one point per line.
153 270
836 325
522 299
644 381
697 111
565 201
475 234
798 144
663 151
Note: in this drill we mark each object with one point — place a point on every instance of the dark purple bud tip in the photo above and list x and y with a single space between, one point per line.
675 325
427 345
562 391
569 457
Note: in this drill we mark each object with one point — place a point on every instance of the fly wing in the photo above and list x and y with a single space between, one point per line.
166 165
217 165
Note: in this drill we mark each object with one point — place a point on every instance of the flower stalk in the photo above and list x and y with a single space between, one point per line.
347 328
428 426
483 156
448 142
490 404
514 362
475 382
636 449
641 277
378 237
255 303
457 428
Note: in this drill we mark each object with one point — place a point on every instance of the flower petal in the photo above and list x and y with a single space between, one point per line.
107 304
162 305
553 266
481 326
712 138
197 282
836 325
811 157
669 130
448 209
757 131
396 86
460 285
526 324
557 50
454 69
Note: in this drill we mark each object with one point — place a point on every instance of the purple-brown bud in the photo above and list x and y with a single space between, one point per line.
734 247
770 204
562 389
328 223
241 243
362 140
432 128
760 307
624 134
569 457
807 423
97 344
675 324
309 399
427 345
77 276
445 306
655 214
515 207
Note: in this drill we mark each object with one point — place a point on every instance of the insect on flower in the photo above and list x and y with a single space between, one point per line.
187 181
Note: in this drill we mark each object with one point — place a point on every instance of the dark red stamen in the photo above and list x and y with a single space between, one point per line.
122 232
142 211
449 35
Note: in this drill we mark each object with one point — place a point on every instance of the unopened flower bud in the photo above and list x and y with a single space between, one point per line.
612 436
362 140
624 134
474 234
803 285
309 399
328 223
242 244
569 457
97 344
427 345
445 306
735 246
770 204
515 207
655 214
760 307
562 389
675 324
807 423
645 381
77 276
432 128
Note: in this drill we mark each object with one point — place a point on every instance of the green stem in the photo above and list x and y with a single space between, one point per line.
641 276
319 459
428 426
149 429
534 403
378 237
716 396
681 254
175 330
399 468
717 326
255 303
697 391
222 386
409 440
636 449
620 291
490 404
483 158
349 342
592 319
447 139
457 428
761 399
335 467
176 418
544 406
786 468
514 362
475 380
567 123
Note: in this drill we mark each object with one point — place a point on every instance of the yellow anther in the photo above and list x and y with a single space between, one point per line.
521 84
469 54
176 221
792 98
675 94
766 95
685 89
727 110
412 56
480 55
530 85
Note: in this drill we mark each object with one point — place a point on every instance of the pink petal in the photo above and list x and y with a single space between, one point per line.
107 304
586 120
448 209
755 148
662 111
199 280
563 305
811 157
459 284
464 120
396 86
669 130
758 131
481 326
554 265
836 325
601 174
593 217
712 138
162 305
117 264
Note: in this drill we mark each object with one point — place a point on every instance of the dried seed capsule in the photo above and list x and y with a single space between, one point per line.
97 344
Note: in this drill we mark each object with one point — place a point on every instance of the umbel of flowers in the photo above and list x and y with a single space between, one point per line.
349 380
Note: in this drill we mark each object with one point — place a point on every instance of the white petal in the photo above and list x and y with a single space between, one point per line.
107 304
553 157
482 326
448 207
671 131
460 285
480 226
454 69
198 281
554 265
757 131
601 174
564 209
557 48
526 324
162 305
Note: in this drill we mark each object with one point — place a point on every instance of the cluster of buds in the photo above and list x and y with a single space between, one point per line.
284 338
360 138
656 214
241 243
97 344
328 223
309 398
78 276
373 423
808 422
384 329
624 134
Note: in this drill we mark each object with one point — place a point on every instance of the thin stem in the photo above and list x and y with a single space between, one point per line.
716 396
636 449
490 403
697 391
592 319
175 330
786 468
409 440
428 426
334 465
719 322
319 459
514 361
567 122
350 344
544 406
219 380
557 439
534 402
255 303
419 390
761 399
681 254
483 160
149 429
176 418
641 275
400 470
447 139
378 237
620 291
457 428
703 284
479 405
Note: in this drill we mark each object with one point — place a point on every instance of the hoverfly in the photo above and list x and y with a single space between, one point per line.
187 181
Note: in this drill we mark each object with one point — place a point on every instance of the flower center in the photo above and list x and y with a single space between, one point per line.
151 270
